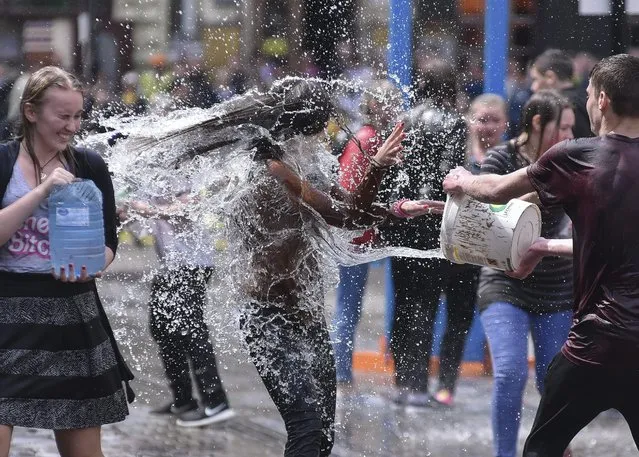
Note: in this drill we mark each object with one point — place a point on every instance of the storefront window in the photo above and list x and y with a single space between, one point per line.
477 6
35 7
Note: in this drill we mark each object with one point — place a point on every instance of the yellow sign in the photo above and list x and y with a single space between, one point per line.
221 44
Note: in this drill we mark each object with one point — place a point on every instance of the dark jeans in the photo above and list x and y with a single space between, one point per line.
176 314
294 357
573 396
461 292
418 284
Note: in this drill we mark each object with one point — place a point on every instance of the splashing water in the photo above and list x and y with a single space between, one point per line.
274 249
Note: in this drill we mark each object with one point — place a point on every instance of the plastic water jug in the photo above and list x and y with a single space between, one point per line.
76 227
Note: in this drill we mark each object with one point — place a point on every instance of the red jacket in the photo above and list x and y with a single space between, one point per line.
353 165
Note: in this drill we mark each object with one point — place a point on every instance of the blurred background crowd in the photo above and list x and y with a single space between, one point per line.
147 56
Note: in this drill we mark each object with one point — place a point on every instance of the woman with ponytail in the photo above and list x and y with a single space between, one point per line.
541 304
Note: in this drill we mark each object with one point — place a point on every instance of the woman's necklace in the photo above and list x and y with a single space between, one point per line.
43 175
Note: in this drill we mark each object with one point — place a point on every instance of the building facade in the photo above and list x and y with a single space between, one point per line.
112 36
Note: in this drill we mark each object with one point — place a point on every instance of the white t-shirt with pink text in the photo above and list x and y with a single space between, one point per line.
28 249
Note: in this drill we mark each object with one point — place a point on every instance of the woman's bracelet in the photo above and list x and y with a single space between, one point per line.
396 209
375 164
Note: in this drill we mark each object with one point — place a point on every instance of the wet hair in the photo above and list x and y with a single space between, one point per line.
34 92
437 81
548 104
557 61
489 100
618 77
292 106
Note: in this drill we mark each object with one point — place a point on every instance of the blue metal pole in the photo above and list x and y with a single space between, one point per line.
400 42
496 37
400 69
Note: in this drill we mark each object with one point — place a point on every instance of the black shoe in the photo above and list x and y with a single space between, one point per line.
206 415
172 408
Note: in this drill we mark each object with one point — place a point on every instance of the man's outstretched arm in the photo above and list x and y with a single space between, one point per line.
488 188
538 250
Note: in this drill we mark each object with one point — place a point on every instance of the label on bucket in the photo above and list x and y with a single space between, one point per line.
496 236
464 256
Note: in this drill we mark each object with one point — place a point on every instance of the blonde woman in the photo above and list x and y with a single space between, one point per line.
60 367
487 124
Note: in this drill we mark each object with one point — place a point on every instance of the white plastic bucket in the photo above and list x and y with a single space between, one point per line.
496 236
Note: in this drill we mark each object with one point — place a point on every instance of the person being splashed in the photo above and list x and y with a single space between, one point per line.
280 213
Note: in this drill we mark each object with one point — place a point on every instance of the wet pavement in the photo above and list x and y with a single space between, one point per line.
369 425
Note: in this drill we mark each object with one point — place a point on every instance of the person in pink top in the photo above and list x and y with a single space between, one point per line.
379 112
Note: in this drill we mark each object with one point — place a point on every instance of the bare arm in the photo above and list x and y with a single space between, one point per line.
537 251
488 188
351 210
387 155
341 214
561 248
146 210
532 197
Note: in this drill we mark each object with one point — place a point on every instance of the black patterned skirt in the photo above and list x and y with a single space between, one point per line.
60 367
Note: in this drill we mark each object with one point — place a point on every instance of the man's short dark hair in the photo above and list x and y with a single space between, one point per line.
437 81
618 77
557 61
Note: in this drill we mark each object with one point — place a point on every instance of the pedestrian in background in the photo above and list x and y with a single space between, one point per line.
378 110
176 312
487 124
554 69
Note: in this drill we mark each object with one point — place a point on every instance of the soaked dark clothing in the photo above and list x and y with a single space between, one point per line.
549 288
573 396
437 145
294 358
438 140
595 180
284 324
176 318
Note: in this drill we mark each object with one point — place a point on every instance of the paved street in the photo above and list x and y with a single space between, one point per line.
368 425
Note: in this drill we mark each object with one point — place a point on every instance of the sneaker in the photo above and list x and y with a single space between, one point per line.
444 397
206 415
419 400
172 408
399 397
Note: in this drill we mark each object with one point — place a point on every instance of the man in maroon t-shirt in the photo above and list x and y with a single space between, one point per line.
596 181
